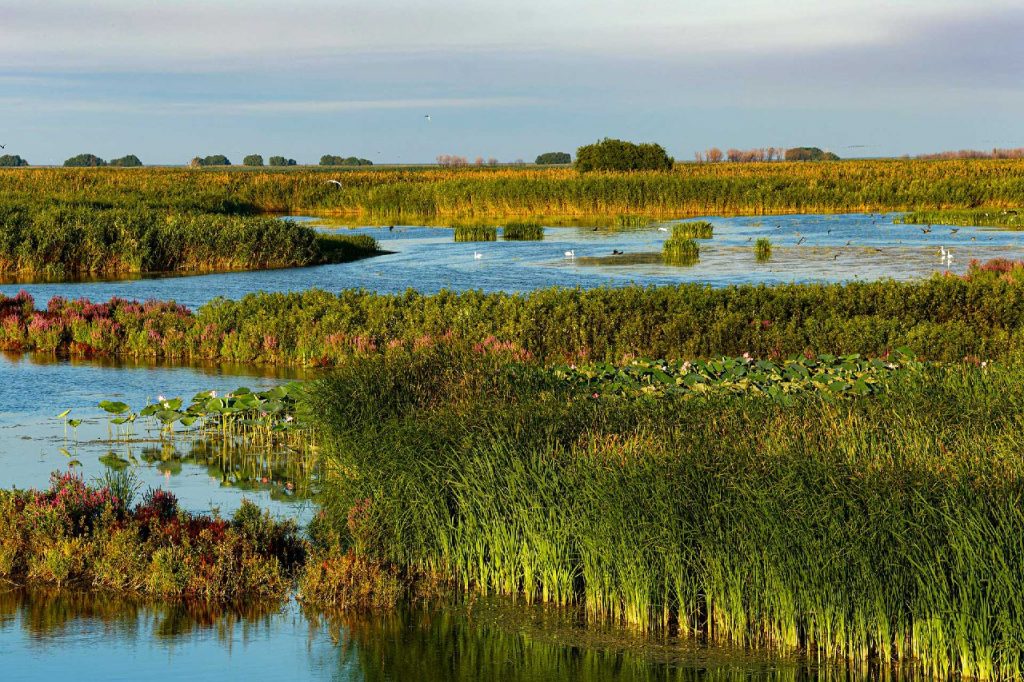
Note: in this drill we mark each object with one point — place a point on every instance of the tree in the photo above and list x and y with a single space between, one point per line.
282 161
618 155
549 158
130 161
214 160
809 154
12 161
332 160
253 160
84 160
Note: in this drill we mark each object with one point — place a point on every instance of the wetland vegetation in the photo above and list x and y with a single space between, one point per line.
387 194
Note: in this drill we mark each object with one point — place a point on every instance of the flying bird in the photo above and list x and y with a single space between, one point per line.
426 116
954 230
926 230
800 241
3 146
335 182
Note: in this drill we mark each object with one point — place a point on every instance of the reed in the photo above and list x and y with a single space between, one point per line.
699 229
979 317
476 233
388 193
875 528
680 251
763 250
1010 218
522 232
59 242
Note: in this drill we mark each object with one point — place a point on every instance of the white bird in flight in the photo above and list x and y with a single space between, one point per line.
335 182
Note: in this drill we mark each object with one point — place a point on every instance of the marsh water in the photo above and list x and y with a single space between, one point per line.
806 248
56 636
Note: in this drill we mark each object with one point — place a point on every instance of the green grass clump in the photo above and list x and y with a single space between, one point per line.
980 316
883 527
700 229
627 220
67 241
1010 218
76 534
475 233
680 251
523 232
763 249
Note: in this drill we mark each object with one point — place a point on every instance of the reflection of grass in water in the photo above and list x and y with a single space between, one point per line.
532 643
48 612
285 474
763 250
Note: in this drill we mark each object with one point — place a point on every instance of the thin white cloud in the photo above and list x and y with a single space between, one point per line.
270 107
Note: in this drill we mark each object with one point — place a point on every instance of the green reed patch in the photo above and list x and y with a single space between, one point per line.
763 249
476 233
522 232
65 241
680 251
1005 217
943 318
698 229
877 528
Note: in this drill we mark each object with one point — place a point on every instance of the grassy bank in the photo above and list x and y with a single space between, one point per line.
883 527
76 534
1010 218
690 189
943 318
63 241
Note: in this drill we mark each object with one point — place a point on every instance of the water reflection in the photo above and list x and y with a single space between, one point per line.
55 635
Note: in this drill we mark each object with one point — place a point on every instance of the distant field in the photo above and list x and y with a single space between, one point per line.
390 193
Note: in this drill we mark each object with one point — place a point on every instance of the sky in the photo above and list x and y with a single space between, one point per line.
171 79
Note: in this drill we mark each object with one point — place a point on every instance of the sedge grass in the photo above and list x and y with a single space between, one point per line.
520 231
680 251
877 528
699 229
763 250
475 233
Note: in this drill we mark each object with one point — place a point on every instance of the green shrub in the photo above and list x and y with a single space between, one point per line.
553 158
130 161
617 155
252 160
84 160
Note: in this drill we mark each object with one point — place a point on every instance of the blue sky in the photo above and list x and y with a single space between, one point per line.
167 80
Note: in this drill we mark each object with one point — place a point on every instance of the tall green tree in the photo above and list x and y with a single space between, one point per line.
253 160
84 160
550 158
130 161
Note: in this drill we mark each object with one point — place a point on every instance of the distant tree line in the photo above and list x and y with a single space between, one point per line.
212 160
257 160
91 160
716 155
618 155
12 161
1017 153
332 160
809 154
550 158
